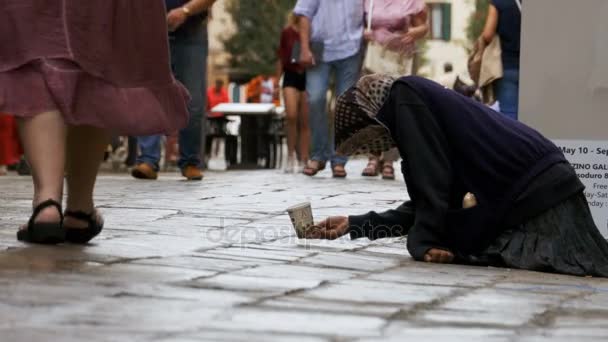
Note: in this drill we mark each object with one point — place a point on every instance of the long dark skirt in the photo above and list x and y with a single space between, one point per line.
563 239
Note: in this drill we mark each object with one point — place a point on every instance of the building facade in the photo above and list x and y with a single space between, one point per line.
447 40
220 26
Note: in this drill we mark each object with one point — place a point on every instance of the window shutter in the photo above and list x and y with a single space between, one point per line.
446 24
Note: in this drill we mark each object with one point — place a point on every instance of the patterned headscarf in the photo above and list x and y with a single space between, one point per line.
357 130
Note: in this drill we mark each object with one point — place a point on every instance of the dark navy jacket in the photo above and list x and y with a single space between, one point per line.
452 145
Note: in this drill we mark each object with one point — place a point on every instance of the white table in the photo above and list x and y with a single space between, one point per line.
249 136
246 108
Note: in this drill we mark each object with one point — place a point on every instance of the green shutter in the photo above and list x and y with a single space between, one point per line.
446 24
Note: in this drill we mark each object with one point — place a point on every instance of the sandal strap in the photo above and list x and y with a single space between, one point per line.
43 205
320 165
387 166
82 216
82 235
334 169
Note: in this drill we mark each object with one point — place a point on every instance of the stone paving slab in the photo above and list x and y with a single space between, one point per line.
218 261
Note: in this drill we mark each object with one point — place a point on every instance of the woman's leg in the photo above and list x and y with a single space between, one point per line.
304 127
290 95
85 147
44 141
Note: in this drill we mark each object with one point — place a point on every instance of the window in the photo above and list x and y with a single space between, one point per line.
440 20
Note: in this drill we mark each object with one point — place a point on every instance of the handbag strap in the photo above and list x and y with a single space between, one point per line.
517 2
370 13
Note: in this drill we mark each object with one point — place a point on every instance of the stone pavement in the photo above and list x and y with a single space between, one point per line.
218 261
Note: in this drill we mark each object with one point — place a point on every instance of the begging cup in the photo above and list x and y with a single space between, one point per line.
301 218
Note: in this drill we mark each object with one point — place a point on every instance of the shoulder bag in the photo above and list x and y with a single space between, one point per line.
380 60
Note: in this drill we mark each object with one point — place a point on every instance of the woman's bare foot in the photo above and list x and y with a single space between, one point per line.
439 256
72 222
47 215
469 201
50 215
81 226
44 225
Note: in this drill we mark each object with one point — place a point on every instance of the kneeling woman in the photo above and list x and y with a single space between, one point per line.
530 212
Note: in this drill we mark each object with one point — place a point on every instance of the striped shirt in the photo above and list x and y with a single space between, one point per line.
336 23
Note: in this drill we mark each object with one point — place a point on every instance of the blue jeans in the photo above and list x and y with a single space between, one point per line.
507 92
189 65
317 81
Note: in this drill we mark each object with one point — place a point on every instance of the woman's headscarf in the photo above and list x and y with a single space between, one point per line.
357 130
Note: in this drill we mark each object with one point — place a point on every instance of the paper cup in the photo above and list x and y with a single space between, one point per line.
301 218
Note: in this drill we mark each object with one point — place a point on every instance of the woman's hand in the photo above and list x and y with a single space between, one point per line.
176 18
307 59
330 229
414 33
403 41
439 256
420 26
409 38
368 36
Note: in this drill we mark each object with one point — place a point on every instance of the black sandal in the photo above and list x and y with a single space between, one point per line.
43 232
83 235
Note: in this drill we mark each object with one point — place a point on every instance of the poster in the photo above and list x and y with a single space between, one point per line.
564 88
590 160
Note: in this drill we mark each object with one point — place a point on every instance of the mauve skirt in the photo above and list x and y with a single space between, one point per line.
100 63
563 239
62 85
